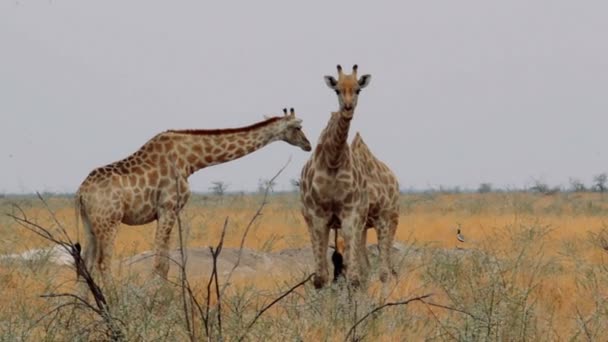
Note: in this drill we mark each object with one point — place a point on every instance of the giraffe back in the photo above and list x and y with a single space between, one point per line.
382 184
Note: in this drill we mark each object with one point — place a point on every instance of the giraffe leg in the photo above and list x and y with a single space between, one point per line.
90 253
166 220
103 253
319 237
386 234
352 225
363 249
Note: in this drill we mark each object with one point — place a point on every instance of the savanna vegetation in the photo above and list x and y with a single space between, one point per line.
534 266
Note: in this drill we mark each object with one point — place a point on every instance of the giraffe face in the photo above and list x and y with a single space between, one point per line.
347 87
292 133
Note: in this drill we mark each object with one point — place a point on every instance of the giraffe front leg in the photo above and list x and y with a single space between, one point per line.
166 220
351 226
319 238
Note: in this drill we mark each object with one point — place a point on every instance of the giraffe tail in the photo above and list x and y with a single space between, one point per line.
77 208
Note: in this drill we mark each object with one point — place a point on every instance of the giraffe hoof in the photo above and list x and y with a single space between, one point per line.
318 282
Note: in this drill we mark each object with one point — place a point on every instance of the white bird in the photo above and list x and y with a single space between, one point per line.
459 236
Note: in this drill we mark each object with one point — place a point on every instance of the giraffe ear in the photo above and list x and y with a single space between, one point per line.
330 81
364 81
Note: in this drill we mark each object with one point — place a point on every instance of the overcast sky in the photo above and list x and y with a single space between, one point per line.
462 92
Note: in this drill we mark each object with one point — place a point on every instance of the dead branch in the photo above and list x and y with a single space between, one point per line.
257 214
452 309
186 298
73 249
215 253
276 300
381 307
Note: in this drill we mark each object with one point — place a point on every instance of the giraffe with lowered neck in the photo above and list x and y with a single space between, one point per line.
333 186
152 183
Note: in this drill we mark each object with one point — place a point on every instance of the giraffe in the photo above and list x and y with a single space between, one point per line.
152 183
333 187
382 184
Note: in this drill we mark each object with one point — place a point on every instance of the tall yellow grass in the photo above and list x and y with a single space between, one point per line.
488 222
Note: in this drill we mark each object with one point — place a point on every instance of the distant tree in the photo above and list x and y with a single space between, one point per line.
577 186
449 190
218 188
542 188
264 184
484 188
539 186
599 182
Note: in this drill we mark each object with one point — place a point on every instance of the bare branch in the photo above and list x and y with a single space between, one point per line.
452 309
71 295
213 277
115 333
188 316
257 214
285 294
381 307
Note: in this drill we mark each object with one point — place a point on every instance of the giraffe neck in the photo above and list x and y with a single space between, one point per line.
333 145
197 149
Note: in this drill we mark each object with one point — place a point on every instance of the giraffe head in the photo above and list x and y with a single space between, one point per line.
291 130
347 87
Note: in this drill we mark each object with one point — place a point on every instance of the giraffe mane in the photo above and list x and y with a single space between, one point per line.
226 130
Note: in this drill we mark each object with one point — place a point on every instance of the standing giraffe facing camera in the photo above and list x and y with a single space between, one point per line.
152 183
382 184
333 186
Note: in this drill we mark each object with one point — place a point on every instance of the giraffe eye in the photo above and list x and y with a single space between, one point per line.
337 92
358 91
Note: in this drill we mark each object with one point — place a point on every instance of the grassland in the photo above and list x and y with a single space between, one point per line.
533 267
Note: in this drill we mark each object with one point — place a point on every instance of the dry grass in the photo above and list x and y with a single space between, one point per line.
533 268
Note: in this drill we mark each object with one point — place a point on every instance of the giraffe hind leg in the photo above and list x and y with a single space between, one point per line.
386 233
89 254
103 253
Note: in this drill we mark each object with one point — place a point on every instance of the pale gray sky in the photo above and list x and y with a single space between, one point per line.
462 92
